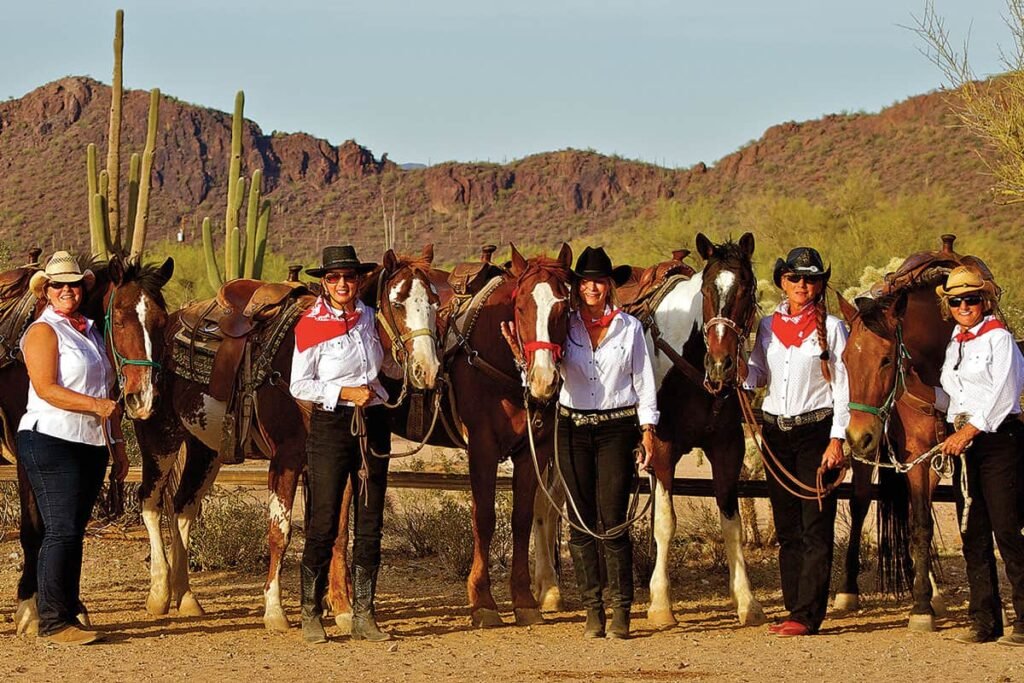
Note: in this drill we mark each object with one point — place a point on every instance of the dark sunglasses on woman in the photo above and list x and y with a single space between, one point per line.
971 300
797 277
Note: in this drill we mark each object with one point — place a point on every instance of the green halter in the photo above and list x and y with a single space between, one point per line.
119 360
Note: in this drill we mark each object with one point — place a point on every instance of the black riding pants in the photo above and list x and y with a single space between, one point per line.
333 459
996 488
806 534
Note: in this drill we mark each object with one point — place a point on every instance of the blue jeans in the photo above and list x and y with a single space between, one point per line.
66 478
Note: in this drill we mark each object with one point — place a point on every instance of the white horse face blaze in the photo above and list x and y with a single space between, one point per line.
543 375
420 314
724 283
139 404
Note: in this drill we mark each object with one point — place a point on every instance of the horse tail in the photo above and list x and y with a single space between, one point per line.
174 480
895 567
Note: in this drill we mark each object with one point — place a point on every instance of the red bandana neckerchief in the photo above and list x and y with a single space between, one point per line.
77 320
322 324
987 326
604 321
792 330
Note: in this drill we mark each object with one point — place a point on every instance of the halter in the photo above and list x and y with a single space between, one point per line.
399 352
741 332
119 360
902 357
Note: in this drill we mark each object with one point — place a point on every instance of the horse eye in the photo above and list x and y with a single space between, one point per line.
886 362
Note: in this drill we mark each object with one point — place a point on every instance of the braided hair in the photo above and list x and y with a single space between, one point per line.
821 311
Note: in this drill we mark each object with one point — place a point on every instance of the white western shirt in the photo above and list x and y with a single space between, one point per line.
793 375
618 374
82 366
348 360
986 382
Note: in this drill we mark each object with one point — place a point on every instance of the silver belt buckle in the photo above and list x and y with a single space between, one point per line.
785 424
588 420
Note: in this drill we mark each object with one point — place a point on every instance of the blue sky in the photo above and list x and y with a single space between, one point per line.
670 82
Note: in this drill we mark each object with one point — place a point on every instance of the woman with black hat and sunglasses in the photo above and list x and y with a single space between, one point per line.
335 365
798 357
982 380
608 402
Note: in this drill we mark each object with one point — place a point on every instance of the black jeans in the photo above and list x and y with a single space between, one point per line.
806 534
332 459
66 478
597 463
994 481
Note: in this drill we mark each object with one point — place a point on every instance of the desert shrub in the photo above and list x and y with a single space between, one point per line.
230 532
697 544
10 509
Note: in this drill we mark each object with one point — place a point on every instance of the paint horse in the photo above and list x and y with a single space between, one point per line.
127 302
894 357
191 416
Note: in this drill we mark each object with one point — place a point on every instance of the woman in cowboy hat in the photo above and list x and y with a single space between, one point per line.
982 379
64 436
798 356
607 403
335 365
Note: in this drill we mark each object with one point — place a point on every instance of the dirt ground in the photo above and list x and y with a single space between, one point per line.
426 612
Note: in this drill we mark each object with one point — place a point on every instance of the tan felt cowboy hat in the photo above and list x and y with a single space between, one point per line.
62 268
965 280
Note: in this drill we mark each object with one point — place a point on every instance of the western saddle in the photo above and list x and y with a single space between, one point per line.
18 308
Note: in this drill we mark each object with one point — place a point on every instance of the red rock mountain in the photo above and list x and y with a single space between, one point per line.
323 193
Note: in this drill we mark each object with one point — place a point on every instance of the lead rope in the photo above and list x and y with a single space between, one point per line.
358 430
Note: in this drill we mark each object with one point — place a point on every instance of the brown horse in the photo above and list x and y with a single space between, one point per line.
893 357
193 418
127 303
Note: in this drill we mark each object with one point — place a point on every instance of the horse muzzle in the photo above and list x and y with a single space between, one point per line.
864 436
720 371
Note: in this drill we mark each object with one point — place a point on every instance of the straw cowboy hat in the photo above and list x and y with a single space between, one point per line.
340 258
595 263
966 280
62 268
802 261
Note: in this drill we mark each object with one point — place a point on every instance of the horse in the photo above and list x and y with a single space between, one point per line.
708 320
128 305
191 418
893 358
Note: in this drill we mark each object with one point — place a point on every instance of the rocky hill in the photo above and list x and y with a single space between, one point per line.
324 193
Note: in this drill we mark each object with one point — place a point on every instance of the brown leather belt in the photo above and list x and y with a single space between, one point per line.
580 419
787 423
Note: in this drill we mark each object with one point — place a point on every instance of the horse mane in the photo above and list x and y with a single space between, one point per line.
552 265
146 275
731 252
414 262
873 310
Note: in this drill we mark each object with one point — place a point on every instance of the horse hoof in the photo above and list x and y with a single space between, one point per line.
552 601
486 618
753 615
939 605
157 605
26 617
661 618
923 623
846 602
276 621
190 607
528 616
343 620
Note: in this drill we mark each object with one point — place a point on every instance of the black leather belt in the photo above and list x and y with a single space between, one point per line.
590 418
787 423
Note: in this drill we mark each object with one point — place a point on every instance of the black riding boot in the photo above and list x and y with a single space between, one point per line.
588 579
364 624
313 586
618 557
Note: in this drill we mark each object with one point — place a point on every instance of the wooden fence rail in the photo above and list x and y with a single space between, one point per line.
440 481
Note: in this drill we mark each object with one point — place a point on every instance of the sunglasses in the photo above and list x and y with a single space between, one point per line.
972 300
797 277
335 278
62 285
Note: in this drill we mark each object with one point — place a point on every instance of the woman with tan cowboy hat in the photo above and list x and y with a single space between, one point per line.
798 356
335 365
982 379
63 437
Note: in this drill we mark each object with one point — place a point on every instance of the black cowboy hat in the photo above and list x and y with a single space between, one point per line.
802 261
340 258
594 263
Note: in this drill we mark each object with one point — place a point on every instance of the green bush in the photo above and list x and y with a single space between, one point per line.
230 532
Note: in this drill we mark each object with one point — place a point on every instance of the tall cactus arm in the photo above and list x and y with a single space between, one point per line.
251 219
138 243
133 187
104 187
234 243
212 272
262 227
114 137
98 227
234 166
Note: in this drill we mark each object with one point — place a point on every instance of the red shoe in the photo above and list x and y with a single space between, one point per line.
792 628
774 628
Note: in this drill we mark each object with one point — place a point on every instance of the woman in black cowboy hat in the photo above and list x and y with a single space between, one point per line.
608 401
335 365
798 357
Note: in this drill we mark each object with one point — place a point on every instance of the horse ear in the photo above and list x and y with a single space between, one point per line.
115 270
428 253
390 260
518 262
901 305
166 271
565 255
704 246
848 310
747 244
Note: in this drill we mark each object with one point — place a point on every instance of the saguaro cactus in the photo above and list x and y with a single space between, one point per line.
114 137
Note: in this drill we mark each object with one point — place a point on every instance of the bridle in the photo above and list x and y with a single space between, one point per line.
900 357
120 361
529 349
740 330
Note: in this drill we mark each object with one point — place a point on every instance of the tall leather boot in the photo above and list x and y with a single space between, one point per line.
313 587
618 556
364 623
586 564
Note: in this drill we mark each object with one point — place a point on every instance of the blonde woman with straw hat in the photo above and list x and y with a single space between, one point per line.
982 380
62 439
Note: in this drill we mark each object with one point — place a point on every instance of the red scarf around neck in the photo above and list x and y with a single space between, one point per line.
987 326
604 321
76 319
792 330
322 324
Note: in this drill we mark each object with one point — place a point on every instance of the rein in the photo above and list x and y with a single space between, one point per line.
121 361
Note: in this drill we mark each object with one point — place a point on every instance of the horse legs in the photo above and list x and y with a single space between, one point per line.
848 598
30 534
157 465
482 477
201 467
659 613
546 547
524 492
922 616
339 580
282 481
